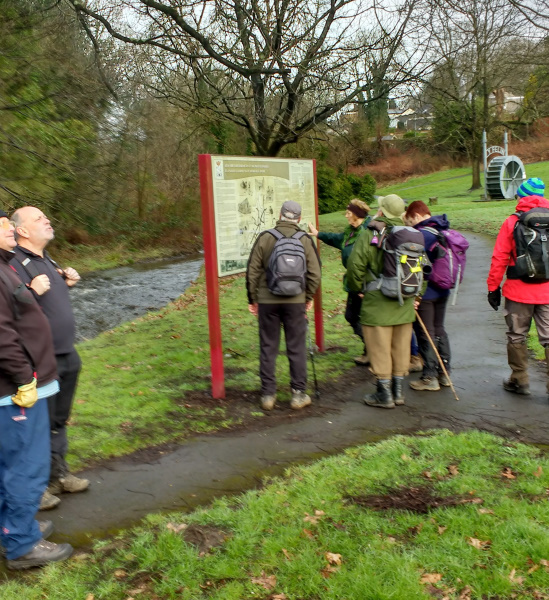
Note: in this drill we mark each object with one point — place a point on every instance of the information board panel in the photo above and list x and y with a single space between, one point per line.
248 193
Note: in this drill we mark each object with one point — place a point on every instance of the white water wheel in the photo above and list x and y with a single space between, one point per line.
504 175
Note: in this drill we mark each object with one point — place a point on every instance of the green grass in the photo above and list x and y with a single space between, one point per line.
306 537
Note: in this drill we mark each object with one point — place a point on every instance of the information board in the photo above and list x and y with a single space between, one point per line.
248 193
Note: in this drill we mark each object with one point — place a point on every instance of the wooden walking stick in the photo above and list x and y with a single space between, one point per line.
438 355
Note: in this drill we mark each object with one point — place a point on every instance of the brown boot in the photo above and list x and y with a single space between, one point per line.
517 357
416 364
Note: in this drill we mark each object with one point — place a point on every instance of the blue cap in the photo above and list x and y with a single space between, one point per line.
532 187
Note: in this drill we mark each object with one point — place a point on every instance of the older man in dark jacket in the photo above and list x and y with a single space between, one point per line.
274 310
27 378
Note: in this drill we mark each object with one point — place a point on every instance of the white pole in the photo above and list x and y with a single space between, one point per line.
505 141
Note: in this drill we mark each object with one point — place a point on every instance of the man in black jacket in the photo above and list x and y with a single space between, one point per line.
50 285
27 378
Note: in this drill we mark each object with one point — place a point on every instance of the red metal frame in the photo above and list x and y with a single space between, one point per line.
319 323
212 279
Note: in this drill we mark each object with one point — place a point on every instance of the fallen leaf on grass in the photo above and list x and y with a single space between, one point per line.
465 593
427 474
508 473
405 458
453 470
287 554
479 544
327 571
266 581
333 559
441 529
514 578
120 574
544 563
176 528
533 569
314 519
308 533
431 578
485 511
538 472
278 597
90 597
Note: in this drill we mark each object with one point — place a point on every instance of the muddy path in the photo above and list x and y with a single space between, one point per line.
180 478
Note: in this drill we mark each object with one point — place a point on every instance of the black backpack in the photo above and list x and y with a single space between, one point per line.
531 235
404 259
287 269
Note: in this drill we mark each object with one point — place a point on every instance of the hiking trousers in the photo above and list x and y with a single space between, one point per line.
24 474
352 313
293 318
388 349
518 317
59 408
433 313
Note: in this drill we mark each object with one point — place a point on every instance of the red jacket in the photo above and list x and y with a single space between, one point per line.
504 255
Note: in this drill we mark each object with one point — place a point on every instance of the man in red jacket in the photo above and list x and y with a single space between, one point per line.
524 298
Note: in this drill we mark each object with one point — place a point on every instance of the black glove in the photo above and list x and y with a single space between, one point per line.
494 298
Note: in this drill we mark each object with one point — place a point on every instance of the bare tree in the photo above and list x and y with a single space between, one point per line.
476 48
276 68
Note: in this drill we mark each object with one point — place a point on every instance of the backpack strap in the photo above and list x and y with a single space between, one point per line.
298 235
26 262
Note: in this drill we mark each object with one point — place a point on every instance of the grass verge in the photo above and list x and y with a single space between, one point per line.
412 518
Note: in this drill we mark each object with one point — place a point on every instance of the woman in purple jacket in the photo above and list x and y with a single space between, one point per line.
432 308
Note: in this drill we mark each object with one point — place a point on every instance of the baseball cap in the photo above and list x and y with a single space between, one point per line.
290 210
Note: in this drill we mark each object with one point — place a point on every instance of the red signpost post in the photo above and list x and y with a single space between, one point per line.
212 277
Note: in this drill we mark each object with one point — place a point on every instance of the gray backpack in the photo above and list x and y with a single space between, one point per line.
404 260
287 269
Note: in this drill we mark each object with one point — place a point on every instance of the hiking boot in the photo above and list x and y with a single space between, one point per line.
425 384
398 393
41 554
69 483
46 529
510 385
416 364
443 380
268 402
299 400
362 360
383 397
49 501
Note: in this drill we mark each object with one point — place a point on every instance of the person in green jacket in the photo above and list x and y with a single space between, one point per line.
386 325
356 214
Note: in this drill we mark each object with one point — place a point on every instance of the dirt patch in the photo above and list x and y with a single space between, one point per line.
205 537
415 499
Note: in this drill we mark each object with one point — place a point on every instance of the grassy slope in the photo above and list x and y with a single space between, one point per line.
303 537
133 385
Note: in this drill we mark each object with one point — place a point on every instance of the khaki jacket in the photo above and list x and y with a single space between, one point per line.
256 280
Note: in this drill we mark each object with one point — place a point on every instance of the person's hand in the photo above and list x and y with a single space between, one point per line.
417 302
26 395
40 284
71 276
253 308
308 305
313 230
494 298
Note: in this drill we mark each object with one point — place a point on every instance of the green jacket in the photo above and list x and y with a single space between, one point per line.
345 242
365 264
256 279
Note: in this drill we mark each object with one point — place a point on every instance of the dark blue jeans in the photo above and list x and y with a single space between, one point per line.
24 474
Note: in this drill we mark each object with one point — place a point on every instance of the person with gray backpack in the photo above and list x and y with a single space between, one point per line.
387 266
282 277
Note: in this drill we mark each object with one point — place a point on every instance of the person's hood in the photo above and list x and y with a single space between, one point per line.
530 202
439 222
375 223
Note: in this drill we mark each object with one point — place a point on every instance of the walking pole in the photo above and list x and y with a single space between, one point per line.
441 362
312 353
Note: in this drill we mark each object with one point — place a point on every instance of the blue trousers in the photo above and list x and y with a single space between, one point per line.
24 474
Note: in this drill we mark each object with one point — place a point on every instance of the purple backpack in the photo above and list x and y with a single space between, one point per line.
449 267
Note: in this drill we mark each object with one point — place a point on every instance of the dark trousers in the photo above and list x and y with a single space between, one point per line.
24 471
352 313
293 319
59 407
432 313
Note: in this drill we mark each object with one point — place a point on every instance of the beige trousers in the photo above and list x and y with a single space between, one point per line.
388 349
